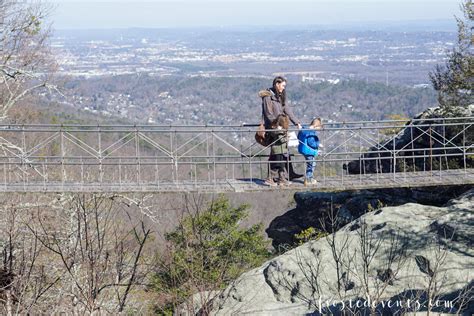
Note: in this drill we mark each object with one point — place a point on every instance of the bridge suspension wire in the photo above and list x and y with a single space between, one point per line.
210 158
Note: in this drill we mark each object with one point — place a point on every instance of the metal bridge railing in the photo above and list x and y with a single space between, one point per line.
157 157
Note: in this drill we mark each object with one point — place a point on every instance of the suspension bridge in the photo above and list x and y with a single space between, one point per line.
204 158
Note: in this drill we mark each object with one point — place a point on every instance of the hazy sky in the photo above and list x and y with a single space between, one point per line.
185 13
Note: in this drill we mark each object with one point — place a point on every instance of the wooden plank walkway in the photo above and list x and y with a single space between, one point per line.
345 182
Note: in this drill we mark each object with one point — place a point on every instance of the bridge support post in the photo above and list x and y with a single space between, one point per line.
394 160
63 154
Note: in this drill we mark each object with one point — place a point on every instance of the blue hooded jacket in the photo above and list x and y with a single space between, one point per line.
308 142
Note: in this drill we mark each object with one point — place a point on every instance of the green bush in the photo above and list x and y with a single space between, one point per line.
308 234
206 252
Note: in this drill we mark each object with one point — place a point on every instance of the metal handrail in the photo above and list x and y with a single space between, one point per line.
35 155
140 126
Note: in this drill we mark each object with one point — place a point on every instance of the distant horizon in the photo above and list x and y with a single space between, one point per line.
72 15
446 25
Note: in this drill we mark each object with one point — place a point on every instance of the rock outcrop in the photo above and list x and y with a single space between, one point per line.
395 259
313 209
425 136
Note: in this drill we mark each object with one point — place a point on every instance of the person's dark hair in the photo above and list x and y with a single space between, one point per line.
280 96
281 120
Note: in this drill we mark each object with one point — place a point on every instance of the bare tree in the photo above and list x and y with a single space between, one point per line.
24 277
26 62
346 268
99 248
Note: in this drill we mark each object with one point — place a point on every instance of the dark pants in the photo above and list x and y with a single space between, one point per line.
291 171
278 162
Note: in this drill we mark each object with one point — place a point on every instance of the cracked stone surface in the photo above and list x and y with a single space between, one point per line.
350 205
407 245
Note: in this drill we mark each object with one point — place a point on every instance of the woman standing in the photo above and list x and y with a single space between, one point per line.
274 104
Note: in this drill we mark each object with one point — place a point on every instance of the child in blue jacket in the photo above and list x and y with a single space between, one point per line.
308 146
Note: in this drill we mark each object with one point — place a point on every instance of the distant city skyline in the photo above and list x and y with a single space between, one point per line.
72 14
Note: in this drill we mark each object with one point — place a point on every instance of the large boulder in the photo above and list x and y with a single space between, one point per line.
318 209
395 259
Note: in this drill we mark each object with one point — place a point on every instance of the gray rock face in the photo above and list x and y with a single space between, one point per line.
314 207
394 259
424 139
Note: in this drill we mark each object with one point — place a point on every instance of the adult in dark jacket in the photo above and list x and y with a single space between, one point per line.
274 104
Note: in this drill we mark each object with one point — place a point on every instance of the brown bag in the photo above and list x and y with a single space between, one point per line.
261 136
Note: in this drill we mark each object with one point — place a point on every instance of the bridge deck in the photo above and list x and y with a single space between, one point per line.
81 158
345 182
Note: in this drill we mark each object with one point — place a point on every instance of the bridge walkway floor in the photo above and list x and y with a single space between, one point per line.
335 183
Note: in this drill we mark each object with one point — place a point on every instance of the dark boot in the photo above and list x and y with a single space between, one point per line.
283 178
293 174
